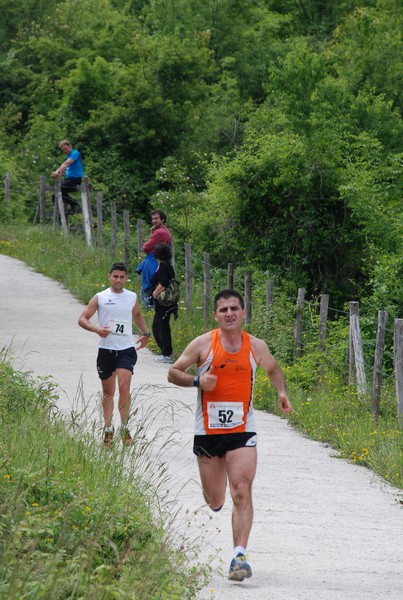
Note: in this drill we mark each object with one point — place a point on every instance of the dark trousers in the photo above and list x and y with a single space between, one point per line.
162 329
70 185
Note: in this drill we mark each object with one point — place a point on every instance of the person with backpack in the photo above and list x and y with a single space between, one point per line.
165 302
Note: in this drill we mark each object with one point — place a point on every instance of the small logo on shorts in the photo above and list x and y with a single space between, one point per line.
252 441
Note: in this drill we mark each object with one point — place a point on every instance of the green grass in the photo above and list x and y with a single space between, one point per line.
333 414
76 520
336 416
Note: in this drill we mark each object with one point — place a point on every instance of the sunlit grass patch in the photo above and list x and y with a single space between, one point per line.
76 520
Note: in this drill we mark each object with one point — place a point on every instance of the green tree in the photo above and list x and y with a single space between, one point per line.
278 198
20 15
367 52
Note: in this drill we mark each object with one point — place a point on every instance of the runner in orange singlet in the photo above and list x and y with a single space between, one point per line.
228 407
225 433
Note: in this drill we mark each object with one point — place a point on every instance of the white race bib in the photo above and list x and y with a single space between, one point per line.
225 415
121 328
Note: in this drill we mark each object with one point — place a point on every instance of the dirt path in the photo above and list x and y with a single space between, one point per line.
323 530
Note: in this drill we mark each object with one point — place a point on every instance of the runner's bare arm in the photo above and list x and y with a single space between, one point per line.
88 312
195 352
275 374
142 325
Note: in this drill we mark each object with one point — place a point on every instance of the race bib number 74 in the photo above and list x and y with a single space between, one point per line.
224 415
121 328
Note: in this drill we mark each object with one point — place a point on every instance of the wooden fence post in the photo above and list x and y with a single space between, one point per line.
356 348
398 364
140 241
324 307
55 204
86 210
269 294
248 297
126 230
188 276
60 207
100 218
230 276
377 375
7 180
351 371
269 301
42 199
88 190
298 322
114 228
323 313
207 291
59 217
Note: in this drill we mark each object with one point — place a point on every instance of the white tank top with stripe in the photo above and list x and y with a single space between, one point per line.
115 311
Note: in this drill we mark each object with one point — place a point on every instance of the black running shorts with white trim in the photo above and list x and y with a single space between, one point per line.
110 360
219 444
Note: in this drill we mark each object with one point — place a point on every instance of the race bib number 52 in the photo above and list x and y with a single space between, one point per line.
224 415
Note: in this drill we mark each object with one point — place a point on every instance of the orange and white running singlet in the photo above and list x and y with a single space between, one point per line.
228 408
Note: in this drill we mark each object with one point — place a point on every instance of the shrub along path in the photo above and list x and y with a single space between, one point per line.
324 529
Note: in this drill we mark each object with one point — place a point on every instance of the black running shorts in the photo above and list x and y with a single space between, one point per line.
110 360
219 444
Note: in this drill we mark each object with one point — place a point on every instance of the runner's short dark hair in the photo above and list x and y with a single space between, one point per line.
118 266
228 294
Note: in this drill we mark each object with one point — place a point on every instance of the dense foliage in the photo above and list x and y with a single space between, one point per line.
270 131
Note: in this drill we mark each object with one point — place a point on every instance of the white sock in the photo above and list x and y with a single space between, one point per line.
109 429
239 550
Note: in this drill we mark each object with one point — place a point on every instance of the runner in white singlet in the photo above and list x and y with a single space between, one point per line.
117 355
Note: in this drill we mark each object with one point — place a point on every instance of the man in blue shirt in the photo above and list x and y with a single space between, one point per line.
73 170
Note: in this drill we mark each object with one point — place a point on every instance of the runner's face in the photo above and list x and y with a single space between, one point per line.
229 314
156 221
118 280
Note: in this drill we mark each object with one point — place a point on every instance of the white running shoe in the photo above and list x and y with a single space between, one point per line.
164 359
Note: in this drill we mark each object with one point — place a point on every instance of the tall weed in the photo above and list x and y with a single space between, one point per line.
76 521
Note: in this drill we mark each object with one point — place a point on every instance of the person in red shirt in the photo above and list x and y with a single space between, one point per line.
160 234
